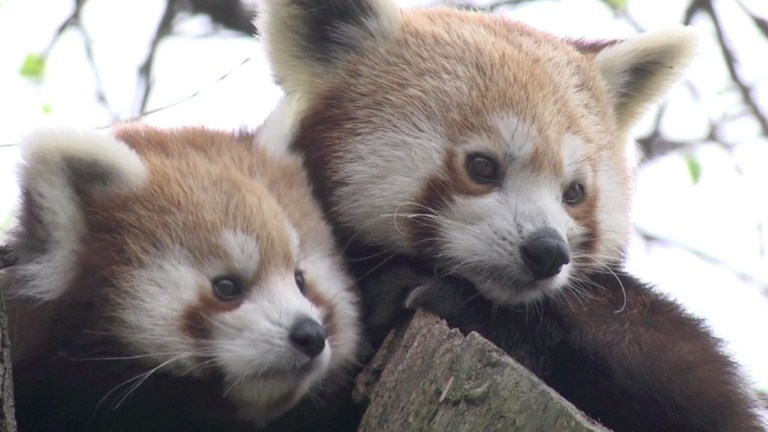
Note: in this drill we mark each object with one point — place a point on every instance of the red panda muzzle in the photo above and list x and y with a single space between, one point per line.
545 253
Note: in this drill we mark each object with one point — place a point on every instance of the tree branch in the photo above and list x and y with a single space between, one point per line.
231 14
144 81
741 274
730 59
173 104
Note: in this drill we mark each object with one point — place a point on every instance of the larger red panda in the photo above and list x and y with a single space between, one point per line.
480 150
171 280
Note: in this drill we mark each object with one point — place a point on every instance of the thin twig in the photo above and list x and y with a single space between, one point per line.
741 274
730 61
144 81
101 94
173 104
760 23
74 21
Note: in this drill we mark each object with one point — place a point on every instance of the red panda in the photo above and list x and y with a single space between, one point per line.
465 153
171 280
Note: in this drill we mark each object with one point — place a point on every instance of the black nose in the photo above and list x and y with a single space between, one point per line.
545 253
308 336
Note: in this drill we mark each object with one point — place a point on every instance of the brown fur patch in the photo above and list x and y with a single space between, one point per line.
585 214
322 302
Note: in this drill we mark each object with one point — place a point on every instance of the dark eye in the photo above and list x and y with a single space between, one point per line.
300 282
574 194
226 288
483 169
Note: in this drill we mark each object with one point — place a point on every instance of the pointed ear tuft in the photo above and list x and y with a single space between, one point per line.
639 70
305 39
59 168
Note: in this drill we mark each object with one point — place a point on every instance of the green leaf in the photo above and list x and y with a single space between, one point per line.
33 66
47 108
694 168
616 5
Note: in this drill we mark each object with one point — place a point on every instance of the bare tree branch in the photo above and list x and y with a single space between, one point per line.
741 274
173 104
74 21
729 56
760 23
144 81
101 94
232 14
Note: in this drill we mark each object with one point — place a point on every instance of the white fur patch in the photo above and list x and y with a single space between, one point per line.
244 251
150 310
46 154
277 131
407 155
46 177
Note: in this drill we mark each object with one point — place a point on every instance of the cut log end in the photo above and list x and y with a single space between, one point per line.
427 377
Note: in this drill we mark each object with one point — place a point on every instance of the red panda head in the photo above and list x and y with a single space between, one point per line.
495 151
193 252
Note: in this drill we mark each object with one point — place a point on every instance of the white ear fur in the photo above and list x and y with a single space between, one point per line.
305 38
277 131
640 69
59 166
69 158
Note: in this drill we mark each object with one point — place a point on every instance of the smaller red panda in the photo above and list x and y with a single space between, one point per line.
171 280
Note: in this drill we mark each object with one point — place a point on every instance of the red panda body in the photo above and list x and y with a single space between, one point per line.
171 280
485 164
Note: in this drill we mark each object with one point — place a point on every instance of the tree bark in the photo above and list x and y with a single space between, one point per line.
427 377
7 418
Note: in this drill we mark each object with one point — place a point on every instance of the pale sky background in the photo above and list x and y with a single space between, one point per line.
718 216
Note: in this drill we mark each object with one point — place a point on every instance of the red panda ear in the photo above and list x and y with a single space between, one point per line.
639 70
305 39
60 167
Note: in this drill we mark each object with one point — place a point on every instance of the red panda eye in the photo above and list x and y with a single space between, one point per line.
226 288
574 194
300 282
483 169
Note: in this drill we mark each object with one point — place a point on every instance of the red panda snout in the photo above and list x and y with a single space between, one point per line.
545 253
308 336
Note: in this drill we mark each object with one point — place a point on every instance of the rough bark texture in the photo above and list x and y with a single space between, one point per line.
426 377
7 419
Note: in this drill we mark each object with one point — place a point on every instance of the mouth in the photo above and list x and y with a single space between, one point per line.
514 290
269 392
287 372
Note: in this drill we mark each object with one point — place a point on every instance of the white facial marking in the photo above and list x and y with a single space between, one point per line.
151 306
406 155
243 251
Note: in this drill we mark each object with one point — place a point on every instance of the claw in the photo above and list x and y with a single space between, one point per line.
416 297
